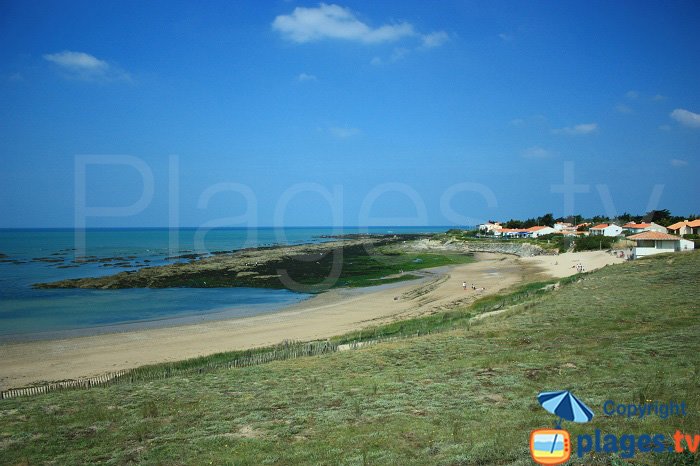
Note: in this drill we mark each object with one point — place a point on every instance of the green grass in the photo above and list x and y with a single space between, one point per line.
372 267
361 266
463 395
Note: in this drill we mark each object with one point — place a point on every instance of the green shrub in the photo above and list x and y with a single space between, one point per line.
558 240
592 243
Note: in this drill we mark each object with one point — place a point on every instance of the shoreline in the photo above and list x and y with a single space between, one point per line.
332 313
214 315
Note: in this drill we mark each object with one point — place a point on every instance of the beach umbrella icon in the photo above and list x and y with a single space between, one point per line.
565 405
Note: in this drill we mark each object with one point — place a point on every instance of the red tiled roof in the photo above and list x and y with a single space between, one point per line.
537 228
654 235
600 226
636 225
678 225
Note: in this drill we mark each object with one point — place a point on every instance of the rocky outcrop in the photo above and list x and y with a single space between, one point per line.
503 247
260 268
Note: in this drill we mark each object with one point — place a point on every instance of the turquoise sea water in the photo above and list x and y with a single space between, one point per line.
32 256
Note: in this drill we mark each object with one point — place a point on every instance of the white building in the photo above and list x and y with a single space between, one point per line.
654 242
534 232
493 228
605 229
685 227
634 228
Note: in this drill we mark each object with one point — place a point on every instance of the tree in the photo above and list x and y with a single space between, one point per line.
530 222
625 217
662 217
546 220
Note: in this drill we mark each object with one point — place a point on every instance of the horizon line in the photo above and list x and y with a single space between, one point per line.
269 227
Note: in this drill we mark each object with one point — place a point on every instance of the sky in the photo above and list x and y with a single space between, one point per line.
285 113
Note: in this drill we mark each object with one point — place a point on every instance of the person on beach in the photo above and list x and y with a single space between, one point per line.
464 286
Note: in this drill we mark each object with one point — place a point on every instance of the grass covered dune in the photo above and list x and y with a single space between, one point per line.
465 395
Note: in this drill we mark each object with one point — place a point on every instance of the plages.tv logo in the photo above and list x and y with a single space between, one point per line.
553 446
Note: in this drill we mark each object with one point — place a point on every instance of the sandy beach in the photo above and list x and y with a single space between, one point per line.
331 313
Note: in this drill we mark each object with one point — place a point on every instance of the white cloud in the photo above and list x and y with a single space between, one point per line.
658 98
339 23
622 108
577 130
678 163
77 61
343 132
81 65
506 37
686 117
536 152
632 95
303 77
435 39
335 22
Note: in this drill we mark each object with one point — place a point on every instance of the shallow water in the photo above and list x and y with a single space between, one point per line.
33 256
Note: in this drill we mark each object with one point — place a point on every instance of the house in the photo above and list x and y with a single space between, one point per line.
634 228
515 232
685 227
491 228
585 226
576 233
605 229
654 242
561 226
534 232
695 225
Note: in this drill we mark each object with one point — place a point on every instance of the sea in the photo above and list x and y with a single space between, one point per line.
29 256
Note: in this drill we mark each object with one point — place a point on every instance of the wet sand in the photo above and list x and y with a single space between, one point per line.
332 313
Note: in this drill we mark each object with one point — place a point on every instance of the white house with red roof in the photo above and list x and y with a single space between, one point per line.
654 242
685 227
534 232
605 229
515 232
695 225
491 228
641 227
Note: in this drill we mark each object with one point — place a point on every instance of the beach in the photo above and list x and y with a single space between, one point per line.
331 313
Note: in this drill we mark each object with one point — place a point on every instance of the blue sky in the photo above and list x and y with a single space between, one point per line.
303 113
